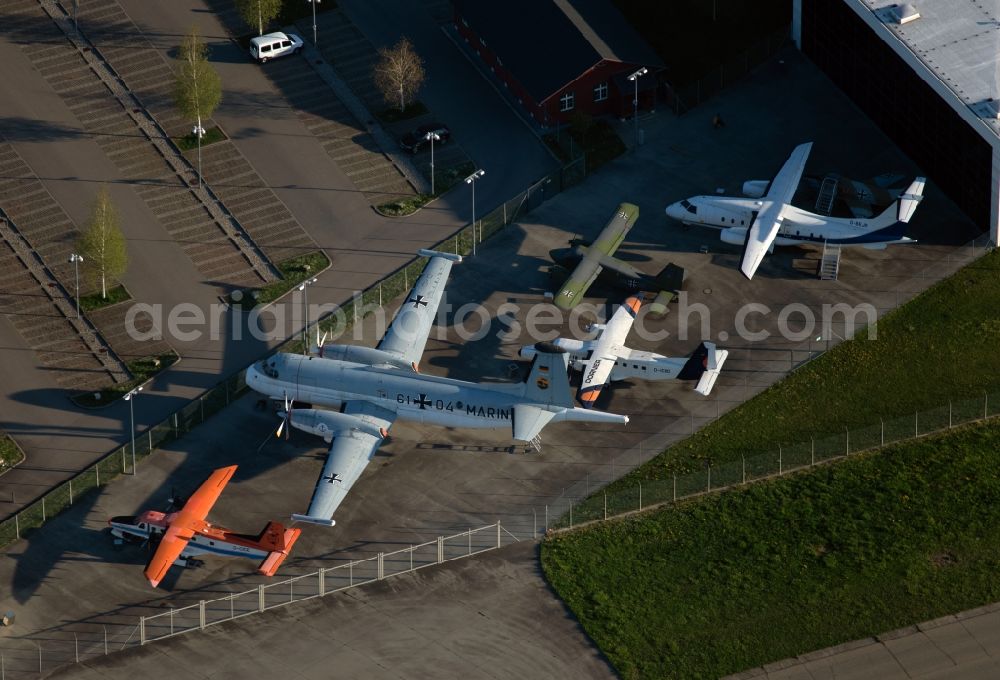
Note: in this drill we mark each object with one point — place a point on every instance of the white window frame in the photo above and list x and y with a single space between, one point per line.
601 92
567 102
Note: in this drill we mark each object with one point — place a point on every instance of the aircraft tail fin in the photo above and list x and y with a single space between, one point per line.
530 420
666 284
548 381
275 558
909 200
704 365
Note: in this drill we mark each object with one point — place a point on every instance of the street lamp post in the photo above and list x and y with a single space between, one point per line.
131 414
304 287
76 260
314 3
471 179
432 137
199 132
635 102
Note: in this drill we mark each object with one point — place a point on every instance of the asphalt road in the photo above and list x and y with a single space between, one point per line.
61 439
69 580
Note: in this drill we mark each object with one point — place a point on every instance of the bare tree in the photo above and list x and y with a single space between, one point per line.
399 73
103 244
258 11
198 88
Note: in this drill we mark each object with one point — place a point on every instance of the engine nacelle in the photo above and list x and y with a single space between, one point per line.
363 355
566 344
735 236
328 424
755 188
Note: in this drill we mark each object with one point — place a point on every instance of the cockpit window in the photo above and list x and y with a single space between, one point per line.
691 208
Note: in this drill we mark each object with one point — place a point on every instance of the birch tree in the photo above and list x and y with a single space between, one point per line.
197 88
399 73
258 11
103 245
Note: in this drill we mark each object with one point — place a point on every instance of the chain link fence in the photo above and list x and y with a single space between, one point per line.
123 460
324 581
580 504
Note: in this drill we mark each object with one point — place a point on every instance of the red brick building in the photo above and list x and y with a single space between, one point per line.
558 57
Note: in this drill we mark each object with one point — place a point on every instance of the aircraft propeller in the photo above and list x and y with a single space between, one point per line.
286 419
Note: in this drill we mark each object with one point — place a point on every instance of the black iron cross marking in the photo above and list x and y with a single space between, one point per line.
418 301
333 477
423 402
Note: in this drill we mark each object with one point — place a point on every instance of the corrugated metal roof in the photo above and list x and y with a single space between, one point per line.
958 41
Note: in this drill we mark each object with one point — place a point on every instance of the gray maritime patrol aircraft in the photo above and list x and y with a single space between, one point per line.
372 388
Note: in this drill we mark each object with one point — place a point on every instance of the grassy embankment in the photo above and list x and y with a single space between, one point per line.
837 553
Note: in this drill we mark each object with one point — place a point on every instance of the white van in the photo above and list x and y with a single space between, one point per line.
274 45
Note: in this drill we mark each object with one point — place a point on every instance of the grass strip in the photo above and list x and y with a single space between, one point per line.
780 568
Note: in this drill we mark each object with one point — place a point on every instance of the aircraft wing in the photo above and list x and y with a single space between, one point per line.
406 336
767 221
606 244
186 522
174 540
196 507
349 455
597 368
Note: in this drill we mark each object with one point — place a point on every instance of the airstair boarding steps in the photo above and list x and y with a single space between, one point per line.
829 265
827 194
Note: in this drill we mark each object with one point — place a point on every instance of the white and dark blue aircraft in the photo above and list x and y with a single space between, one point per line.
767 218
369 389
607 359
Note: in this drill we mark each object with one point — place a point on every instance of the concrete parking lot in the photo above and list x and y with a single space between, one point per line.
69 580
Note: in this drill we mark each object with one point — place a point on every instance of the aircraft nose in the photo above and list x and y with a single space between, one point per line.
675 211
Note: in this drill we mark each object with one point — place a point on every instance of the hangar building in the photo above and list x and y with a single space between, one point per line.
927 73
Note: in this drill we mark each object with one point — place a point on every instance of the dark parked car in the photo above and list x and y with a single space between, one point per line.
417 140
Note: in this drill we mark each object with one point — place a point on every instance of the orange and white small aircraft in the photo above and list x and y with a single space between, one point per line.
177 536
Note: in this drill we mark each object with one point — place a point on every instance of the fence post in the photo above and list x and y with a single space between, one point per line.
71 491
498 535
675 487
17 526
812 451
381 566
175 424
916 423
105 640
743 465
201 613
505 213
571 514
350 572
39 658
986 404
379 293
76 647
411 558
201 407
882 427
468 535
142 630
43 508
605 505
709 478
150 430
97 471
440 549
171 620
779 459
321 581
406 280
640 495
949 414
260 597
534 523
123 460
546 518
847 434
